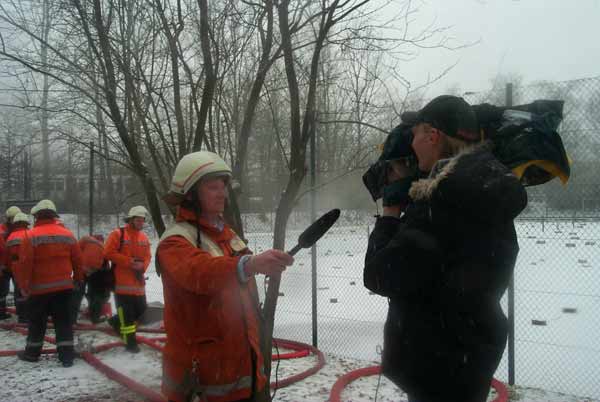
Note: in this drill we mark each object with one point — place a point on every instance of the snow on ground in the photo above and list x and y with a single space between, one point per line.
48 381
556 269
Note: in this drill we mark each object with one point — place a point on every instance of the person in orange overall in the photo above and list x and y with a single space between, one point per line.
20 224
49 262
95 269
128 248
5 273
211 316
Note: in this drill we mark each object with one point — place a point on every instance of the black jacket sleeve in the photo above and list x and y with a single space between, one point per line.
400 261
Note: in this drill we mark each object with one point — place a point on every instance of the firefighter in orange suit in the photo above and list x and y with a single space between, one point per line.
96 287
49 262
128 249
20 225
211 302
5 273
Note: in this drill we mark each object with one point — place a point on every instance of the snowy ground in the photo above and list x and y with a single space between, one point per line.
48 381
557 269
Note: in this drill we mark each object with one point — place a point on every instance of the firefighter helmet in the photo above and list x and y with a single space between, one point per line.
12 212
138 211
44 205
190 169
20 217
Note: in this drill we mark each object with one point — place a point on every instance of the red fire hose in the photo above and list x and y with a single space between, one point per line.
300 350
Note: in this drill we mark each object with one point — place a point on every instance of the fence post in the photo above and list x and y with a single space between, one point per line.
313 217
511 290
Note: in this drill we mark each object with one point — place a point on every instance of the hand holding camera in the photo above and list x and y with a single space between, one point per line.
391 176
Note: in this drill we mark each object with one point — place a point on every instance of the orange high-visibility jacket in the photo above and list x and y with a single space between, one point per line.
13 248
135 246
49 259
4 259
92 254
4 231
211 317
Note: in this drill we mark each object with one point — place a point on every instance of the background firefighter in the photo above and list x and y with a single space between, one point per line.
212 315
128 248
20 225
97 284
5 273
50 260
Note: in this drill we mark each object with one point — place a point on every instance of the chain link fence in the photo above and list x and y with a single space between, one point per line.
557 275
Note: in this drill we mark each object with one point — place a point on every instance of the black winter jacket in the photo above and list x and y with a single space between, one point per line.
445 265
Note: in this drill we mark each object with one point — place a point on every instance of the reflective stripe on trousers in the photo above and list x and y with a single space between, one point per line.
207 390
65 343
43 286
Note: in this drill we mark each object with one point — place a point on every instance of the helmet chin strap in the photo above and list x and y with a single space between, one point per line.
193 197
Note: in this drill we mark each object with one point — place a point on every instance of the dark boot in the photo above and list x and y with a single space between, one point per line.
4 315
27 357
66 357
132 345
114 323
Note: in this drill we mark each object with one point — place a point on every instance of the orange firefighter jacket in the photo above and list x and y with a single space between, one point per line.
211 317
135 246
4 260
13 248
49 259
92 254
4 231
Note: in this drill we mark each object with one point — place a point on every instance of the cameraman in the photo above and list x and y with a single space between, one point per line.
447 260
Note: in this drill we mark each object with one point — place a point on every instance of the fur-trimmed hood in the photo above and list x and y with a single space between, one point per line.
473 181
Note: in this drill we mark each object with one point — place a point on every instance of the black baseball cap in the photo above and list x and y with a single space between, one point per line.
453 116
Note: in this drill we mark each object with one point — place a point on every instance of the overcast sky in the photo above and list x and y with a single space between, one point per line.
539 39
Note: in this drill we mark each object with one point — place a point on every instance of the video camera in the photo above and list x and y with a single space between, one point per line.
396 148
524 137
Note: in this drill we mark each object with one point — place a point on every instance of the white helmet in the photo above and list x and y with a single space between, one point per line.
138 211
44 205
12 212
21 218
190 169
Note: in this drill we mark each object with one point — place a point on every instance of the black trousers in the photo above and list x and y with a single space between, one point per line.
75 305
98 293
56 305
129 309
5 279
20 304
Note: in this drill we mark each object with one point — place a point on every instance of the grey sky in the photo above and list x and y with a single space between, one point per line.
539 39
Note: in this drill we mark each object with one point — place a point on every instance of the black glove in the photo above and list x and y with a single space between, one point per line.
374 179
396 193
139 275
